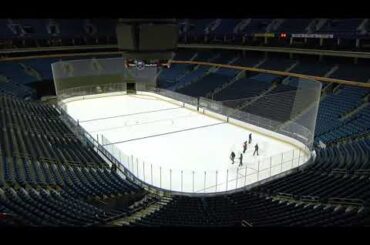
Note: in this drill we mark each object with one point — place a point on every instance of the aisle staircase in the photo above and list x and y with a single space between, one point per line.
241 74
320 23
354 111
362 27
238 76
328 74
250 101
142 213
241 25
31 72
274 25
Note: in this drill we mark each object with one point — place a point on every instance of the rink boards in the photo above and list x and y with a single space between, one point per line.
171 145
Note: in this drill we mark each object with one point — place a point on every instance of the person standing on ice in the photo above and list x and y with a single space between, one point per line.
245 146
255 149
250 138
241 159
232 157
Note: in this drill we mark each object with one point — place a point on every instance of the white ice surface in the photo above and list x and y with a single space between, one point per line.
165 139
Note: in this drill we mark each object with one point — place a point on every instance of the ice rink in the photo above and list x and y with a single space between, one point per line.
177 148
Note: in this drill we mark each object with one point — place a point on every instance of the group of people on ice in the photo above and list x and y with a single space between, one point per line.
245 146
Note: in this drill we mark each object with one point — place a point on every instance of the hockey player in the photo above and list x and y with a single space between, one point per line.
245 146
241 159
232 157
250 138
255 149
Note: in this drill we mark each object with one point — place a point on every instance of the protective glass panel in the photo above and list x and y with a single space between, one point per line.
91 76
288 110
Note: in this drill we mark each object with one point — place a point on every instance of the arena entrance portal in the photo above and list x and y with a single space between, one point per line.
131 88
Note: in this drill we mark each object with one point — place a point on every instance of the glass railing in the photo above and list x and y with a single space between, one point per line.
91 90
207 181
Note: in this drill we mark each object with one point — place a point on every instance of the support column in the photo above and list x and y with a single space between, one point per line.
245 177
193 181
357 43
151 173
144 171
237 177
181 180
160 177
282 160
270 165
216 180
205 177
170 179
227 179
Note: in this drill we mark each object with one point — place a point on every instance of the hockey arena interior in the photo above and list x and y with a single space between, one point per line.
254 122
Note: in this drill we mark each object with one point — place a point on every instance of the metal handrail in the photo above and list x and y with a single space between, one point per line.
245 223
